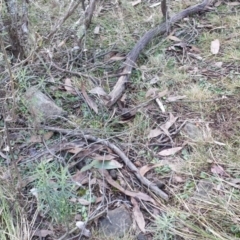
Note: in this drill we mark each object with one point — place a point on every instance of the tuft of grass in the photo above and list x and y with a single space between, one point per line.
13 217
53 189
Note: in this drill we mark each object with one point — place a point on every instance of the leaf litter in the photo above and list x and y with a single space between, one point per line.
163 131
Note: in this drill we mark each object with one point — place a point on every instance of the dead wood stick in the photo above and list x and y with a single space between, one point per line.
70 11
119 87
153 187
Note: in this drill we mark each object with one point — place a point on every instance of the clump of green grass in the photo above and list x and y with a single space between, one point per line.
13 218
54 190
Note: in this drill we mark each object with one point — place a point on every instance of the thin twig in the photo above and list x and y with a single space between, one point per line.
67 15
153 187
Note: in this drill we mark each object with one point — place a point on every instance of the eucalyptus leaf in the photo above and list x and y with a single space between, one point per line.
112 164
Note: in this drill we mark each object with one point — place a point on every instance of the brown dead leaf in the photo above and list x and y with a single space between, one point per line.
215 46
98 91
47 135
155 4
68 86
178 179
80 177
217 4
195 49
151 92
36 139
217 169
170 151
233 3
138 216
39 138
42 233
83 201
139 195
106 157
154 92
75 150
173 38
168 124
89 101
136 2
175 98
154 133
143 170
117 58
163 93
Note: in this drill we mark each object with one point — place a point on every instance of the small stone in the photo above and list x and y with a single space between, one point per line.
203 190
41 106
193 132
113 174
140 236
117 223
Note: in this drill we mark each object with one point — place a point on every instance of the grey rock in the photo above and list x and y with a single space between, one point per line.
117 223
140 236
203 190
193 132
41 106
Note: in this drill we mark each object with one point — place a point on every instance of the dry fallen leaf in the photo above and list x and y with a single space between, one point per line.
233 3
136 2
139 195
80 177
81 226
175 39
96 30
217 4
154 133
217 169
138 216
117 58
47 135
151 92
89 101
83 201
195 49
99 91
178 179
68 86
168 124
42 233
170 151
215 46
218 64
143 170
154 92
155 4
106 157
38 138
75 150
175 98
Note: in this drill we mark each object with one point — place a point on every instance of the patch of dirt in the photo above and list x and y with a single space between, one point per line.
224 118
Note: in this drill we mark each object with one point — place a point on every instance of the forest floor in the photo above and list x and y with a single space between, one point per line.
177 124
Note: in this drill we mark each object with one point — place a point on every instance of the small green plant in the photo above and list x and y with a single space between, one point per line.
54 191
163 227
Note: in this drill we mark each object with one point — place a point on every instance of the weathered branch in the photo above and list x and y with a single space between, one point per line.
153 187
119 88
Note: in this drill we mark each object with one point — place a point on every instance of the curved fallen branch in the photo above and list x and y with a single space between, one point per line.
119 87
153 187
